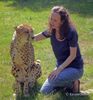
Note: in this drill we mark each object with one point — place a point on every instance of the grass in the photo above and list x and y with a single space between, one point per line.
36 13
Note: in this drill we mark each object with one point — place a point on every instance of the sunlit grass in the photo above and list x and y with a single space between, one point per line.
12 14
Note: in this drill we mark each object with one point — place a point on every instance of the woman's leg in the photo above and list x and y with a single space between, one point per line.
46 88
64 79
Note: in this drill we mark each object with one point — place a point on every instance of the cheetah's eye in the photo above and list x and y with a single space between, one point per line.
26 31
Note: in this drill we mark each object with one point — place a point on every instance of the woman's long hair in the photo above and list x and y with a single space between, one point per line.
66 22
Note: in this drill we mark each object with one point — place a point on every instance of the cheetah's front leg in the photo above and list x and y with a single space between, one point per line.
17 87
26 88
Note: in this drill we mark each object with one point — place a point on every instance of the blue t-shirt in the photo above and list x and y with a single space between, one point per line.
62 48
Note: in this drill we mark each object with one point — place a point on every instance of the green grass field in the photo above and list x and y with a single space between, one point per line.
36 13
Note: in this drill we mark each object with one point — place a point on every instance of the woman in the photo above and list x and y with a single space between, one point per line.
64 41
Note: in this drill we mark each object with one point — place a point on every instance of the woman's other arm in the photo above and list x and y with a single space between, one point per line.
72 56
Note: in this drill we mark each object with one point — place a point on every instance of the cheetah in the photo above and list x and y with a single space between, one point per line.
24 67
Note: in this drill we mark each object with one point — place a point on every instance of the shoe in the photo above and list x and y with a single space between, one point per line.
68 90
58 89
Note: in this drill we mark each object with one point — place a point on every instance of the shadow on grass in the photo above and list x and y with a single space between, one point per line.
33 93
72 97
82 7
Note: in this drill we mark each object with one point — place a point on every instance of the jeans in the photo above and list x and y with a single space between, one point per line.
65 79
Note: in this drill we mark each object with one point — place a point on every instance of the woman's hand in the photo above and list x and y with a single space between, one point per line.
54 74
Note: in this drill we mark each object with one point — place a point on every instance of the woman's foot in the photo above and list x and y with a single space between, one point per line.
74 89
76 86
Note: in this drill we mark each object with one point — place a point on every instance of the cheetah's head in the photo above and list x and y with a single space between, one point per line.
24 32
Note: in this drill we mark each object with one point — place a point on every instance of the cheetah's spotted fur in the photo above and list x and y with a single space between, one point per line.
24 68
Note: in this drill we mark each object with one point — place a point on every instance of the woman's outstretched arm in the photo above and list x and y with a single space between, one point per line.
41 36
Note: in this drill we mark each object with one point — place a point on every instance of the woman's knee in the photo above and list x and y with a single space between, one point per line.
46 88
43 91
46 91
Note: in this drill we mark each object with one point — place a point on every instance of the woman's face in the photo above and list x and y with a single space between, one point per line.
55 21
